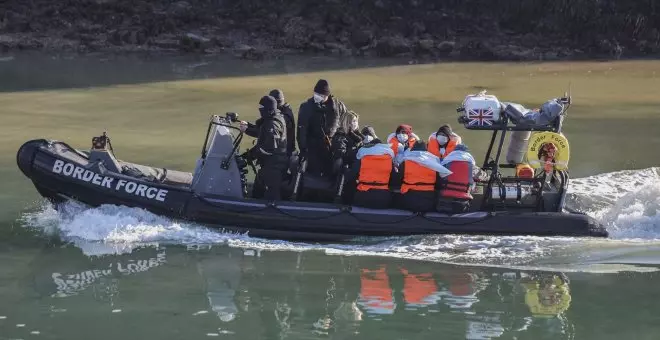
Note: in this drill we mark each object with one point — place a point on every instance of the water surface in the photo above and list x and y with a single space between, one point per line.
119 273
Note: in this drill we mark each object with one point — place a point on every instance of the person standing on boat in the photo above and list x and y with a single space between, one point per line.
454 195
252 130
318 121
443 142
289 118
420 170
270 150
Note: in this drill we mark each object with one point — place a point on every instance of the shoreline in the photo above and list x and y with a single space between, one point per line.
10 46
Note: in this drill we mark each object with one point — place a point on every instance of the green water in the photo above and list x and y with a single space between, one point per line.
116 273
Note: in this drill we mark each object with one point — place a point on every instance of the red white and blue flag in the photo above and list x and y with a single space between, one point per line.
480 117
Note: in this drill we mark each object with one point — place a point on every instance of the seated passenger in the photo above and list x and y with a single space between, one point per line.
443 142
454 196
402 139
373 166
350 180
346 141
420 169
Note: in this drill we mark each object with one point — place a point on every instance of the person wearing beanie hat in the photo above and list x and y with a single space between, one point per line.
455 195
442 142
369 130
421 171
287 112
322 88
318 121
252 130
269 150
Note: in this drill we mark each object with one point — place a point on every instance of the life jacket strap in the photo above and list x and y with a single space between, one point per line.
417 183
462 187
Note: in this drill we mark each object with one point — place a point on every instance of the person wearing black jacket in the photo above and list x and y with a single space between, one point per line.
252 130
318 121
290 120
346 141
270 151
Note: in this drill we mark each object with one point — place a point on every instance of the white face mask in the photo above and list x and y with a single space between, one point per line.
442 139
367 139
402 137
318 98
355 125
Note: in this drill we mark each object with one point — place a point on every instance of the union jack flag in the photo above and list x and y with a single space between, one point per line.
480 117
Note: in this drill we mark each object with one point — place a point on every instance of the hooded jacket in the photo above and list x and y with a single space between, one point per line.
272 139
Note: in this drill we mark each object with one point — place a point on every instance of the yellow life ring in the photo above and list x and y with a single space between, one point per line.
536 142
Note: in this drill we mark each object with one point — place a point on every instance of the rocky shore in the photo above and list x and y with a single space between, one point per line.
421 29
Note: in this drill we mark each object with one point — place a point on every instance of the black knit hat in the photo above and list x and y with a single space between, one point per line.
278 95
322 87
419 146
461 147
368 131
267 106
445 129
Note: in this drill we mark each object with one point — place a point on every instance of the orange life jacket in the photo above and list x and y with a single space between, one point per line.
417 177
375 171
457 185
375 292
418 289
394 142
434 147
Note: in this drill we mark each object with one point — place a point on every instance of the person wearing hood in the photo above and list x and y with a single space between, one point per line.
270 151
420 170
442 142
369 139
454 195
252 130
318 121
347 140
372 171
402 139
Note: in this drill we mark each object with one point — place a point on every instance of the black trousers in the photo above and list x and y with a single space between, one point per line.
418 201
319 161
373 198
268 183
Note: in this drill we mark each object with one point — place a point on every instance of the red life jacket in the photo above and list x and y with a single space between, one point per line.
457 185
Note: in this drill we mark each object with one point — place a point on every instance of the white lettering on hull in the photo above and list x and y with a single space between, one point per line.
70 170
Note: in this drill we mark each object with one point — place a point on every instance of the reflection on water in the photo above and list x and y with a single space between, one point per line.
72 283
291 295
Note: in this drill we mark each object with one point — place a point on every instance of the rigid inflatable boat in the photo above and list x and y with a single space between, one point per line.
217 192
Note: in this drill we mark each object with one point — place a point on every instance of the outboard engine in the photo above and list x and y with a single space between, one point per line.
217 171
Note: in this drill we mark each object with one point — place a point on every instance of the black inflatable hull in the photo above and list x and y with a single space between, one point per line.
42 161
